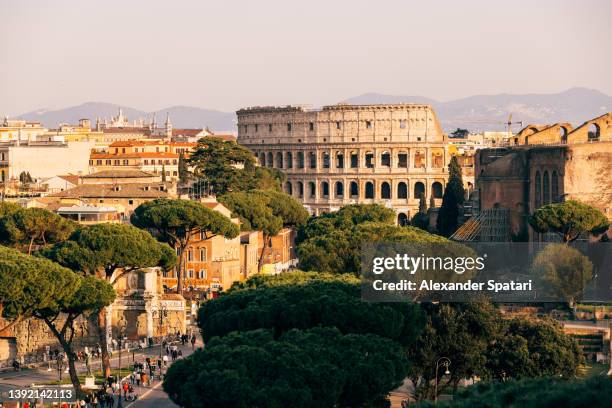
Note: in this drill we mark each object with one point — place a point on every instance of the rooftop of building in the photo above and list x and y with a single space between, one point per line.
339 106
127 190
128 173
86 209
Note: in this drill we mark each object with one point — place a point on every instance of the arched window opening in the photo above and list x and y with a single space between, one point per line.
270 160
354 160
289 188
436 190
402 160
289 160
313 160
262 159
402 219
419 159
402 190
369 159
300 160
325 160
554 187
369 190
419 189
279 160
300 189
593 132
538 190
546 189
339 160
354 189
312 189
325 189
339 189
385 191
385 159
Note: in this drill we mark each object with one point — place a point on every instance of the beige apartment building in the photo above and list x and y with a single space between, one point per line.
345 154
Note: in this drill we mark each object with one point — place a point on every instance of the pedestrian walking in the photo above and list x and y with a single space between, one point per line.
193 340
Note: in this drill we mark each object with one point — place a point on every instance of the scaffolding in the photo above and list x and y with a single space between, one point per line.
490 225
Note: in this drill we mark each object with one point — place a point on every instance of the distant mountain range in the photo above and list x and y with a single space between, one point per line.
476 113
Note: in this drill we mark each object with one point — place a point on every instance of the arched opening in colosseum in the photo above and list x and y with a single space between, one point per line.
402 160
419 190
289 188
262 159
289 160
537 190
300 189
312 189
419 159
385 191
354 160
369 190
402 190
546 188
270 159
554 187
325 189
325 156
279 160
300 160
369 159
563 134
593 132
339 189
385 159
339 160
436 190
402 219
313 160
354 189
437 159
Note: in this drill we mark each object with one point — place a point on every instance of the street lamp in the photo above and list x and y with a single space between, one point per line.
442 362
163 312
121 336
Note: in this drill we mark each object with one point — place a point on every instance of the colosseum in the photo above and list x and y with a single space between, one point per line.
345 154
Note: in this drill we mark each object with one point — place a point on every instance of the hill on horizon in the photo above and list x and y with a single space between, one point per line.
476 113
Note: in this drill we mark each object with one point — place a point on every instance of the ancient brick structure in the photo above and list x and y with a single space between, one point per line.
344 154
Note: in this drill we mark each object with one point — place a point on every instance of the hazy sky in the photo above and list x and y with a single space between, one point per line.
226 54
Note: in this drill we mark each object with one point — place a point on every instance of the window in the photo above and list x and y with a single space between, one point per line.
190 273
289 160
538 190
419 189
402 160
270 159
202 274
339 160
368 124
98 162
403 124
369 190
189 255
202 254
289 127
354 160
246 128
369 158
338 125
270 127
312 189
546 188
311 126
256 128
131 202
123 150
202 235
402 190
325 160
419 159
554 194
262 159
300 189
289 188
117 162
300 160
313 160
174 161
385 159
385 191
436 190
354 189
279 160
325 189
339 189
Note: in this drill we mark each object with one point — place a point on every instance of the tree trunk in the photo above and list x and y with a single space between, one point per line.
106 368
67 347
179 271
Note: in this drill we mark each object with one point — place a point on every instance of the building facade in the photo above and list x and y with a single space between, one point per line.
345 154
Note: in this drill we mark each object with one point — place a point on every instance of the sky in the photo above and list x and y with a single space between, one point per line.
227 54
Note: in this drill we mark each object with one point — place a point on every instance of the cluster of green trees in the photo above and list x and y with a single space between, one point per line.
249 329
595 392
332 242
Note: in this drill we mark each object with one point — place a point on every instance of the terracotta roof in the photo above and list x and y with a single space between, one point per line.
128 173
144 155
128 190
71 178
186 132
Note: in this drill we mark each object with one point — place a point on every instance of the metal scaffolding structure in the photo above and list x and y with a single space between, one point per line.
490 225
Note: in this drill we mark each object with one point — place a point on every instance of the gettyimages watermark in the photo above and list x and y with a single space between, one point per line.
502 272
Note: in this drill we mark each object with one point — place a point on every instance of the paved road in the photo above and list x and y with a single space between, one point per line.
149 397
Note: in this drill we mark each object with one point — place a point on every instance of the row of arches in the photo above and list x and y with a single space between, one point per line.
546 188
354 159
338 189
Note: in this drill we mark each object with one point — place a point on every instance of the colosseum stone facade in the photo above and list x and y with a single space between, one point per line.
344 154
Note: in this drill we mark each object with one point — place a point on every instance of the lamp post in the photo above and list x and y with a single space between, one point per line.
442 362
163 312
120 343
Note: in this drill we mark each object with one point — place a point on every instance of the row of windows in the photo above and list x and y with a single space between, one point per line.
546 188
202 252
201 274
285 161
126 162
311 126
142 150
353 190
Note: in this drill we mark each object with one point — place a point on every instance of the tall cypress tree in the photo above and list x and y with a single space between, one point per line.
421 219
183 172
453 198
